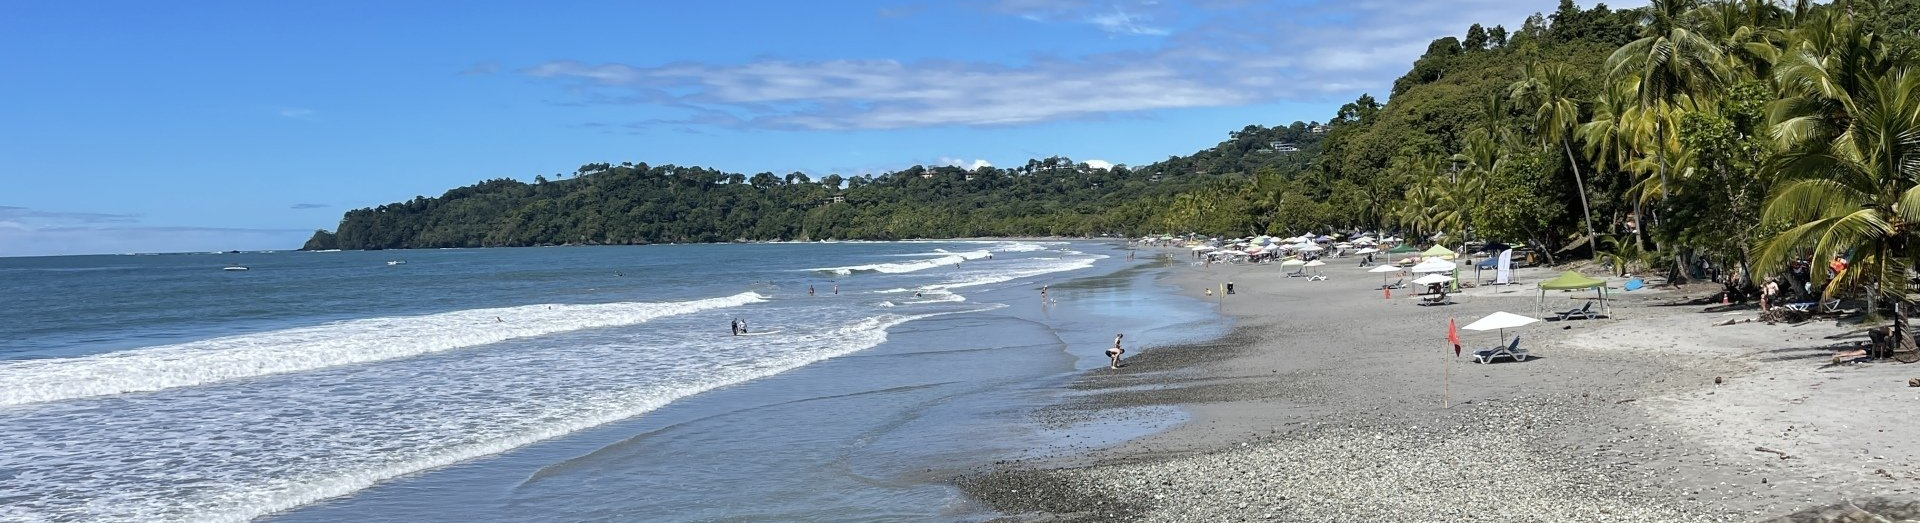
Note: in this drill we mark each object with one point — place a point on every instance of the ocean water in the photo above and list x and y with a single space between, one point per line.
553 384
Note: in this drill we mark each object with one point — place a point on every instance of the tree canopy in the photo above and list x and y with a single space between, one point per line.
637 203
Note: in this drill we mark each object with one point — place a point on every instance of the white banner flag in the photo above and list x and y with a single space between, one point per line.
1503 273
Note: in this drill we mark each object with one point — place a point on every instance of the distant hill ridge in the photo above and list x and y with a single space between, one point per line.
637 203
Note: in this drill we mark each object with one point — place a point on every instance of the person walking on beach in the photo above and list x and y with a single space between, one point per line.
1769 294
1113 354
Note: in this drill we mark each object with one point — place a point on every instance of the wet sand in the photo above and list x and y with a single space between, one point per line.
1330 402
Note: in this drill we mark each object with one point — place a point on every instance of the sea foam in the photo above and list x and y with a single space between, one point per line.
317 347
942 258
449 416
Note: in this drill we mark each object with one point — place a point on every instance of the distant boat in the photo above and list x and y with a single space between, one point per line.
396 262
235 268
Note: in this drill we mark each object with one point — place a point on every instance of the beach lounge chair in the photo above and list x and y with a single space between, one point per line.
1584 312
1437 299
1807 306
1395 285
1512 350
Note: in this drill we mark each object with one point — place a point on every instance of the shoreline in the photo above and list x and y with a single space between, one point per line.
1324 403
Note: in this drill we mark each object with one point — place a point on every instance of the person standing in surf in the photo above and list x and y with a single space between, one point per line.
1113 354
736 326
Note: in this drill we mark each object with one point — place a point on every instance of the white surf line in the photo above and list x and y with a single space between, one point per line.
318 347
943 259
860 336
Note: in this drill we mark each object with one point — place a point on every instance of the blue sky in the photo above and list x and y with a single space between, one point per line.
159 126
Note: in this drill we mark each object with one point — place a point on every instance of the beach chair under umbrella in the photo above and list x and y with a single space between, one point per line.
1501 321
1296 264
1384 270
1317 275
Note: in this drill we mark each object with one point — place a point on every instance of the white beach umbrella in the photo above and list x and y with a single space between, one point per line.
1435 265
1315 263
1311 248
1368 250
1500 321
1292 263
1431 279
1384 269
1205 248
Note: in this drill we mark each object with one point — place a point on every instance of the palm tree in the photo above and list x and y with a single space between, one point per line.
1548 89
1667 62
1746 32
1613 132
1858 194
1670 61
1829 58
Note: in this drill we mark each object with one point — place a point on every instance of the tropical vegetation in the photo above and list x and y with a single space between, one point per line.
1751 134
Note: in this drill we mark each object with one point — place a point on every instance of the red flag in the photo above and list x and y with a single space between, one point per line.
1453 336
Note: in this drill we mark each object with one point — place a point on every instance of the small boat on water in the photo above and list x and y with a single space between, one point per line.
235 268
396 262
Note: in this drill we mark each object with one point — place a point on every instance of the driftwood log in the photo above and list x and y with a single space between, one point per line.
1784 315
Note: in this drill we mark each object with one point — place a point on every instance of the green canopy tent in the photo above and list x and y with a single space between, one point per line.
1570 280
1400 249
1441 251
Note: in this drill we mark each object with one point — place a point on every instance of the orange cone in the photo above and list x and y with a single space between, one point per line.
1386 293
1724 300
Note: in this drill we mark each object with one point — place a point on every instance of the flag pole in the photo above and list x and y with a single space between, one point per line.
1446 381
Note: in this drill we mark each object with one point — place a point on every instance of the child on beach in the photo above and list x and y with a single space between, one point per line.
1113 354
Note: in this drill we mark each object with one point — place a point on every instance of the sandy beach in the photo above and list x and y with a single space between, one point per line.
1332 402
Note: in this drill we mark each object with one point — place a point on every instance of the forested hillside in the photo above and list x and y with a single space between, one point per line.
633 203
1753 134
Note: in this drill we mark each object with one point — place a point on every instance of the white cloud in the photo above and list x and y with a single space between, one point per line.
1120 22
976 164
1223 54
1099 164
